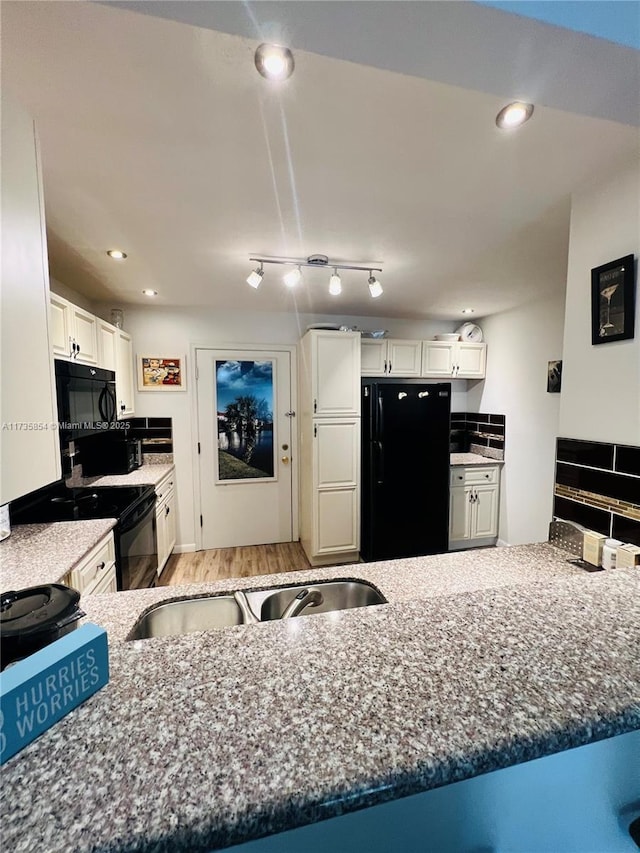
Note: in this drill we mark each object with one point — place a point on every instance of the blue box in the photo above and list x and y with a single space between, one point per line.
41 689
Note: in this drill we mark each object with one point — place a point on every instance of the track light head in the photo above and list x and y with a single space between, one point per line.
255 277
335 284
375 288
292 277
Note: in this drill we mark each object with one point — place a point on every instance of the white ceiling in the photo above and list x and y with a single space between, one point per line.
160 138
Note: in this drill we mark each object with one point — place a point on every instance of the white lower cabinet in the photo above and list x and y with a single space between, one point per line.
165 520
333 527
473 506
96 573
335 475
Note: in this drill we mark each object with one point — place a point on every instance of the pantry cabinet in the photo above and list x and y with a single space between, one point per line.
165 520
473 506
390 357
30 447
329 444
455 360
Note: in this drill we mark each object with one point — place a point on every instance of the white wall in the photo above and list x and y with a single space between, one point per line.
600 398
520 343
73 296
172 331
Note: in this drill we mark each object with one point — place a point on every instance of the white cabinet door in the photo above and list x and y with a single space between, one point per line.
337 452
485 512
337 521
60 321
470 360
84 331
170 522
124 374
30 458
373 357
107 345
459 514
438 358
335 373
404 358
336 475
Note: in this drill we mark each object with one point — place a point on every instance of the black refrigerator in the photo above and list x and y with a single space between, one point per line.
405 469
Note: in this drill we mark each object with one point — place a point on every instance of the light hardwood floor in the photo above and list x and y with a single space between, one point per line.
221 563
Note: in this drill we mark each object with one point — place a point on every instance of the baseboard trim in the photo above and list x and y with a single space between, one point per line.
501 543
189 548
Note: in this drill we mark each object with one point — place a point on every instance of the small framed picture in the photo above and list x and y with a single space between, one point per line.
554 377
613 301
157 373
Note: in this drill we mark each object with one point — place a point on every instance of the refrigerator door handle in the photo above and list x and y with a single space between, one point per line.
380 477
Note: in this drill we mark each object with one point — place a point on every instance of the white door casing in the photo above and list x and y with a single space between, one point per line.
251 511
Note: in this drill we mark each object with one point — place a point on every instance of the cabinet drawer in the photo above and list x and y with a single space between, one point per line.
164 485
105 582
98 561
474 475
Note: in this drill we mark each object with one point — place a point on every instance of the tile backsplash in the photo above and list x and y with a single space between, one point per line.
597 485
477 432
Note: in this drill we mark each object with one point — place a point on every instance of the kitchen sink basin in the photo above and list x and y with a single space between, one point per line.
183 616
172 618
336 595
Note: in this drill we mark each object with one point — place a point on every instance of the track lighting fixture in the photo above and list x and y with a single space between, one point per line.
255 277
294 276
375 288
335 283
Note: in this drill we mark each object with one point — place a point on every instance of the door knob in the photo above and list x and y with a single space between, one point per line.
285 460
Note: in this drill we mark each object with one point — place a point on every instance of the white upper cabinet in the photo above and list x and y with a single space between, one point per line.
124 375
74 332
390 357
30 448
107 345
335 372
455 360
85 335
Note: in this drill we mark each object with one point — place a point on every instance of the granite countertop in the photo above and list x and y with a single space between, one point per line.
37 554
472 459
146 475
480 660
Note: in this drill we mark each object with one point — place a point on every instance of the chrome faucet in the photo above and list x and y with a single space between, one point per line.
249 616
311 597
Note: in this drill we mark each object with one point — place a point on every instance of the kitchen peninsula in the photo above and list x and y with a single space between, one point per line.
479 661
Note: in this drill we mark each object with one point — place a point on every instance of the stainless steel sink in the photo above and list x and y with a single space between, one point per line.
172 618
183 616
336 595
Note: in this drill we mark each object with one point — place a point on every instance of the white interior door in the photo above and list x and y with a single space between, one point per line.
245 431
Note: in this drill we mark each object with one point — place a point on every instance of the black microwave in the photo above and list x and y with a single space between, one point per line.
86 399
109 454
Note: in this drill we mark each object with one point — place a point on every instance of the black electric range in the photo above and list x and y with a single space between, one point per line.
132 506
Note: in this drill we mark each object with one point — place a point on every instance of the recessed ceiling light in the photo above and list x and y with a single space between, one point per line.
150 292
274 62
513 115
467 310
116 254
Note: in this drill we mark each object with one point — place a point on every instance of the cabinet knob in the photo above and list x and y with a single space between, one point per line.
167 510
101 566
487 476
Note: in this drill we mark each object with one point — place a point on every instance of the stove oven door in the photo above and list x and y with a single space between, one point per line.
136 546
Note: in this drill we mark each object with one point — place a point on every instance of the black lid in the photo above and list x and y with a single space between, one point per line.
36 608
